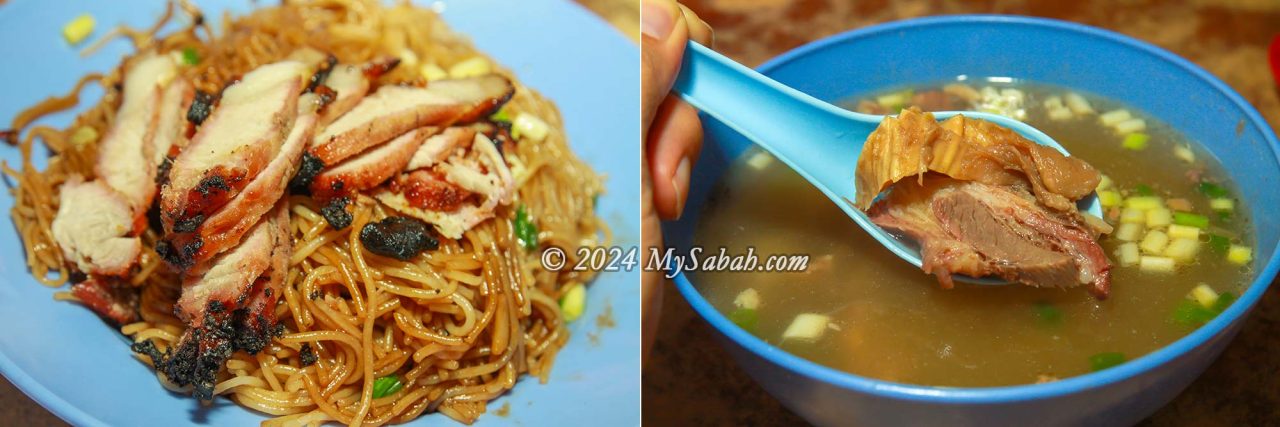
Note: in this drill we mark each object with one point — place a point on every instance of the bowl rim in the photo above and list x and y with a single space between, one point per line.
1016 393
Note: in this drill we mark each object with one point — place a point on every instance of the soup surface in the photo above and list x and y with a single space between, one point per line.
881 317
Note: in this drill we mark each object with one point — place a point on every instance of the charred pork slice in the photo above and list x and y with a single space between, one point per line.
93 227
981 230
350 85
394 110
224 229
370 168
114 301
126 154
457 194
237 141
171 122
440 146
229 305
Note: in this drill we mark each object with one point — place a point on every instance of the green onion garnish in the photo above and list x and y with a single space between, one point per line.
745 318
386 386
1219 244
1224 300
1190 219
1212 190
1144 190
1048 314
526 231
1106 360
501 116
1191 313
189 56
1135 141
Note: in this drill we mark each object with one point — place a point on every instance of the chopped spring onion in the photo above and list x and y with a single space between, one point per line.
1131 126
1135 141
574 301
1182 249
1156 264
529 126
807 326
745 318
1129 231
1078 104
471 67
1111 118
503 115
1190 219
1219 244
1183 232
524 228
748 298
431 72
1224 301
1213 190
1106 360
1048 314
1109 198
1133 216
84 135
1144 190
190 56
386 386
1222 205
1184 152
78 29
1143 203
1127 254
1192 313
1154 242
895 101
1159 217
1104 183
760 160
1204 295
1239 255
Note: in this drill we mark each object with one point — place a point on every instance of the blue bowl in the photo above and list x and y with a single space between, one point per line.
1102 62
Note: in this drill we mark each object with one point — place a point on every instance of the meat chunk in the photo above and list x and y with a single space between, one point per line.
224 229
394 110
350 84
126 155
229 305
112 300
973 150
370 168
93 227
440 146
235 143
457 194
171 123
980 230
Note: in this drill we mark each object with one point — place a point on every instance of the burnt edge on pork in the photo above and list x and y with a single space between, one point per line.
307 171
398 237
335 212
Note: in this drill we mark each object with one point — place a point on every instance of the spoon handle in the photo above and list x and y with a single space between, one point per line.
817 139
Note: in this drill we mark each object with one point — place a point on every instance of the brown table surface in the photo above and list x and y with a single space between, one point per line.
690 380
19 410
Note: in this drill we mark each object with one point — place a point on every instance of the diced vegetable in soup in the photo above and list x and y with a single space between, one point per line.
1179 251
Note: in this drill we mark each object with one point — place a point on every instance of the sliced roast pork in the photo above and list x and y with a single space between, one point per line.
394 110
94 226
456 194
370 168
233 145
978 230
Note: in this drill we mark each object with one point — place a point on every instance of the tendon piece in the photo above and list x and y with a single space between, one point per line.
109 298
223 229
126 154
394 110
457 194
980 230
440 146
973 150
93 227
237 141
370 168
216 299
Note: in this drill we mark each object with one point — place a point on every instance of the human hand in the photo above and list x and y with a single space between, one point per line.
671 132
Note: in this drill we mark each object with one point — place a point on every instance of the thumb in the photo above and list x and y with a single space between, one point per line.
665 34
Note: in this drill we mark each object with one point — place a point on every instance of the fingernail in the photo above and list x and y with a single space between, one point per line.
680 182
656 19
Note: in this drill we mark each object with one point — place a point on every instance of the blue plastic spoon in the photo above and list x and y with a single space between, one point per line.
820 141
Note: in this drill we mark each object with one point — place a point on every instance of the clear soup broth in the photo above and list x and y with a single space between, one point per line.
886 319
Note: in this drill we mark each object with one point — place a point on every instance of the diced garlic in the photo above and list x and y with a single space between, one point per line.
1111 118
1156 264
1131 126
1127 254
748 299
1078 104
1204 295
1182 249
1183 232
1154 242
1129 232
808 326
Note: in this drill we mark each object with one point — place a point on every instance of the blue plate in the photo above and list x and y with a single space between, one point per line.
75 365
